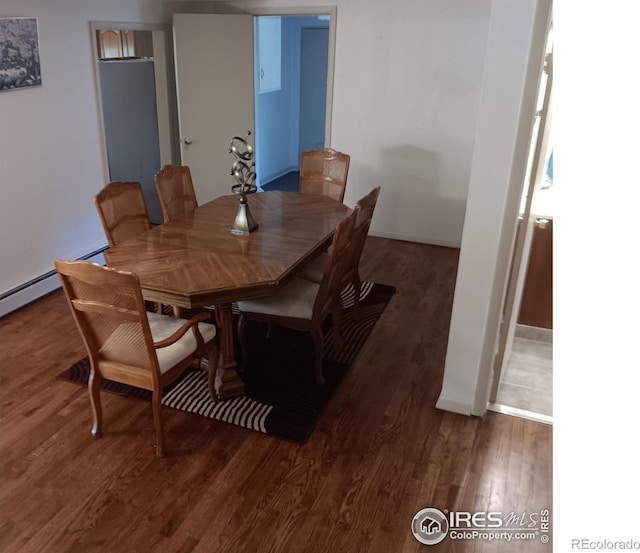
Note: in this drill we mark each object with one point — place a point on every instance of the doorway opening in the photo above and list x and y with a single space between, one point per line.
523 366
132 87
291 69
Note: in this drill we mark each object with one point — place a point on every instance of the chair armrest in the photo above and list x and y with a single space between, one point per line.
192 323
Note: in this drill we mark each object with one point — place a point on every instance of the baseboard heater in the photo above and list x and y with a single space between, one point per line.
40 286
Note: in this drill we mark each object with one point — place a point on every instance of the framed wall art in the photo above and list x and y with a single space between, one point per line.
19 53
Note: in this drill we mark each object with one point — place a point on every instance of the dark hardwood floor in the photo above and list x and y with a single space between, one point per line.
381 451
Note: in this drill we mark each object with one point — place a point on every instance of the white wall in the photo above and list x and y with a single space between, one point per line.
507 109
405 104
51 161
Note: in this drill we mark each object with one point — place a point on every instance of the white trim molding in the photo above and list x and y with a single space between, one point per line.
520 413
40 286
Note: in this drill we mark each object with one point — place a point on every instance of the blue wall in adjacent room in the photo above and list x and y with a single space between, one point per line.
278 112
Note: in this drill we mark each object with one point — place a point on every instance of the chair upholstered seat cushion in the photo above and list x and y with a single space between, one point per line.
162 326
295 299
315 270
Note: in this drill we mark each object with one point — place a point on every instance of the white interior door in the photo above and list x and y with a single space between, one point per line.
214 81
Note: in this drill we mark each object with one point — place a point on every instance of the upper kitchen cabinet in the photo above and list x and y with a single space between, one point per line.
113 43
269 53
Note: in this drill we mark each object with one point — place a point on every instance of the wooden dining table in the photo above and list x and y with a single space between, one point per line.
196 262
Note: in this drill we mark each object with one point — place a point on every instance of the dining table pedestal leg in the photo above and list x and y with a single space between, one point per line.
227 382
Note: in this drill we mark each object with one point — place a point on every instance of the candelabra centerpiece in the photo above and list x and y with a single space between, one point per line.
243 170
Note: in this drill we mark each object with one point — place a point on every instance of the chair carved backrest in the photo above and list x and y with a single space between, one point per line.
324 172
109 311
175 191
365 208
335 269
122 210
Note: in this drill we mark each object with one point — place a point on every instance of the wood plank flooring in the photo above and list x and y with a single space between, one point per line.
380 453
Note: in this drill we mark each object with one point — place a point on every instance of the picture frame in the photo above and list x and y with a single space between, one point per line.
19 53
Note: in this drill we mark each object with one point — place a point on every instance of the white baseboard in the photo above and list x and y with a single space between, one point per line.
534 333
453 406
38 287
418 239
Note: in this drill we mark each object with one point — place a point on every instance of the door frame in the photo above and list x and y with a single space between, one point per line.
332 12
166 129
524 236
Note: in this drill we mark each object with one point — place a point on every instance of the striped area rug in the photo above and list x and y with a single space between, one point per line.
282 398
192 395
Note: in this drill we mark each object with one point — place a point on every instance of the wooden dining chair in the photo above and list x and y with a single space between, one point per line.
123 214
175 191
304 305
122 210
315 270
127 344
324 172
